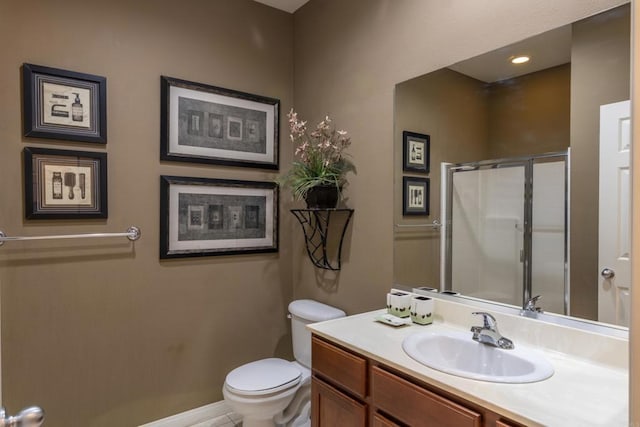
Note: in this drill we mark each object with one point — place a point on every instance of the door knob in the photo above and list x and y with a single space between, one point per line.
28 417
607 273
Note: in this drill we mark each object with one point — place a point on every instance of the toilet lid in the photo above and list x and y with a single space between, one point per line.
266 375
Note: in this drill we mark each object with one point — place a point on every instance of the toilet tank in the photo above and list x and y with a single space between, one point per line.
303 312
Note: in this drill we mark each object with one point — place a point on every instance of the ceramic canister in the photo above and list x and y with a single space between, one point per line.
422 310
398 303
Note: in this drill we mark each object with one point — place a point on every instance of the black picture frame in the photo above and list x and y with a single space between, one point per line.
208 217
62 104
64 184
415 196
208 124
416 153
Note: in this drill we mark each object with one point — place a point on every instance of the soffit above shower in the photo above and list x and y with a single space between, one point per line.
286 5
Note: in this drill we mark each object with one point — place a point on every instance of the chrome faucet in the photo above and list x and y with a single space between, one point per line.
488 332
530 309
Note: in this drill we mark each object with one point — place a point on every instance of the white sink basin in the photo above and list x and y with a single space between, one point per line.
456 353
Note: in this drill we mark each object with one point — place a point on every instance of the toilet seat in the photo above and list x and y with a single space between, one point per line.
263 377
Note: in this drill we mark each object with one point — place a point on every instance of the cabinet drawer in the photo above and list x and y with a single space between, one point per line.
380 421
416 406
340 367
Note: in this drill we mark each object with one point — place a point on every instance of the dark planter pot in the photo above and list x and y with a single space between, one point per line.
322 197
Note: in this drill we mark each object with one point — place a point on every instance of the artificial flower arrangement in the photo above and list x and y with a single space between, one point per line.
320 158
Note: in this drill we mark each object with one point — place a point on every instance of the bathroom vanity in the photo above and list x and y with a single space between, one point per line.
349 389
362 377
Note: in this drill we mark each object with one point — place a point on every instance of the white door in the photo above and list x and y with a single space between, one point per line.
614 236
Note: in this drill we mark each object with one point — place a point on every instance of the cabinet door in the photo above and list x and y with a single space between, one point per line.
330 408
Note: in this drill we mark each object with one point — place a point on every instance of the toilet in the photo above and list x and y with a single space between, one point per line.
276 392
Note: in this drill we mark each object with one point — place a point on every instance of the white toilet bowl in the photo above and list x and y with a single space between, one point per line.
273 391
260 391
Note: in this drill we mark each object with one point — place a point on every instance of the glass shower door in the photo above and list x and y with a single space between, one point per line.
506 230
487 210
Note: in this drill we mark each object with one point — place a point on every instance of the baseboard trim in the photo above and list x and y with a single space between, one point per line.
193 416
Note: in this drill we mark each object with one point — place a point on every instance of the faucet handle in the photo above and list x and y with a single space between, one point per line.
477 330
489 322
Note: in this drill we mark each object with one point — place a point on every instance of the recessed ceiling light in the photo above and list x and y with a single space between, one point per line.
520 59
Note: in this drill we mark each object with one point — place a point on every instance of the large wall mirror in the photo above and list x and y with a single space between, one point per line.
528 173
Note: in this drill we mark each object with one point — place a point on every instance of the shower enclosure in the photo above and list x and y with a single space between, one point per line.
505 235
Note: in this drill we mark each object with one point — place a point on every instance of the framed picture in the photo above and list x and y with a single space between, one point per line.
415 152
415 196
62 104
208 124
202 217
61 184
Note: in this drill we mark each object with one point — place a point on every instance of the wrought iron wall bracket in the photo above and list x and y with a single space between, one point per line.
316 226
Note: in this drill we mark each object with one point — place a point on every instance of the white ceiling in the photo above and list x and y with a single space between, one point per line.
546 50
286 5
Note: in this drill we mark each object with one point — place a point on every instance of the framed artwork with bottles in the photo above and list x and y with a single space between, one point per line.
415 152
61 104
415 196
63 184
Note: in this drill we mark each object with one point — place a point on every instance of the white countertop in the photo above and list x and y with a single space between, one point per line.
581 393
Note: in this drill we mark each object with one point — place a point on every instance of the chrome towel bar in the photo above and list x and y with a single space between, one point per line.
133 233
435 224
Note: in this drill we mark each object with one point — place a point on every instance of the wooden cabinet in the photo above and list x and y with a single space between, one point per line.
349 389
332 408
416 406
381 421
343 368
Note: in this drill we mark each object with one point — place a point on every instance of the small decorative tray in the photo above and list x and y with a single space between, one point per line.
390 319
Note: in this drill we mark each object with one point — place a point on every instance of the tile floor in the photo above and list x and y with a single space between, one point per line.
228 420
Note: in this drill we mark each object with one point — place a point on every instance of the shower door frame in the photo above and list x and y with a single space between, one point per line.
527 163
